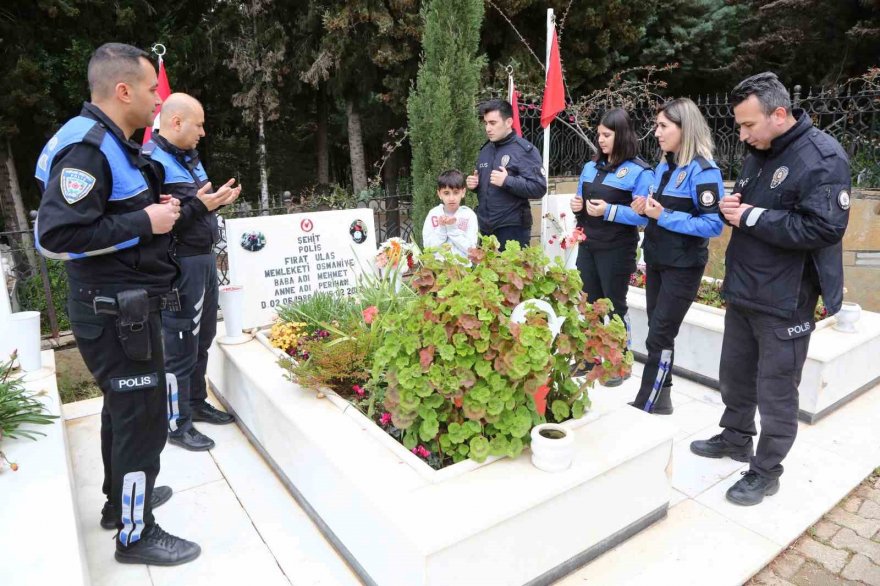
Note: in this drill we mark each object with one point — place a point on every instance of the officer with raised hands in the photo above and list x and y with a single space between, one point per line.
789 211
102 213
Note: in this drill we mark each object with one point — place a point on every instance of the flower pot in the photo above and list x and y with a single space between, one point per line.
847 317
231 304
552 447
25 332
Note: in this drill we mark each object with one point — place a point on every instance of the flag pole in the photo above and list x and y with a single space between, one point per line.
545 162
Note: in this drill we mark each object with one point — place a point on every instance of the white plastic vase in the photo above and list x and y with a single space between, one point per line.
25 336
571 257
231 304
847 317
552 447
554 322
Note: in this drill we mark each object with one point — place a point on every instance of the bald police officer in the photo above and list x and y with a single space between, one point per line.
789 212
101 212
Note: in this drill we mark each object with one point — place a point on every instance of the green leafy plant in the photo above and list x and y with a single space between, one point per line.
463 380
18 407
32 296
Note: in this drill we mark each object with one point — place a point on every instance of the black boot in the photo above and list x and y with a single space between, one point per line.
718 447
206 412
109 516
157 548
190 439
662 406
752 488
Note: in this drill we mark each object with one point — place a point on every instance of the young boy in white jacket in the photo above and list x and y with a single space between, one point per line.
450 222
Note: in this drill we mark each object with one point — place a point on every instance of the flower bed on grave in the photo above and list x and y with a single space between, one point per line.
428 349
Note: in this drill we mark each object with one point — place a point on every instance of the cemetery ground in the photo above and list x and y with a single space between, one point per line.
251 529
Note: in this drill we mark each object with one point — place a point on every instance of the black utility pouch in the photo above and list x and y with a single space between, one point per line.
133 324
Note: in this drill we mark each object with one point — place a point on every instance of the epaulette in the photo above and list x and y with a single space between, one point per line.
526 145
95 135
642 163
822 144
704 163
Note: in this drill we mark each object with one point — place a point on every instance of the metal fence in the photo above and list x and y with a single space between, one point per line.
852 117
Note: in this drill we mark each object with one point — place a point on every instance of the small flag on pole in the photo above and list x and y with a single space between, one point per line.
554 90
164 91
514 101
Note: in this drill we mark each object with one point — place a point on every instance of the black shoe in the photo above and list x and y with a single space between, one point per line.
191 439
663 405
718 447
752 488
157 548
210 414
160 496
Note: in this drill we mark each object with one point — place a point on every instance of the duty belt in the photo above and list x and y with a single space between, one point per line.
107 305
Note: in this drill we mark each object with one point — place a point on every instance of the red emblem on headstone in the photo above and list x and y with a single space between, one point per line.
306 225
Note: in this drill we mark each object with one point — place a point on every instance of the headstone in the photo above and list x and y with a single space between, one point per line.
282 259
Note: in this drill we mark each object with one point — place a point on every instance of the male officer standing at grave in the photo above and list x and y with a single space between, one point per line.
102 213
190 331
508 175
789 212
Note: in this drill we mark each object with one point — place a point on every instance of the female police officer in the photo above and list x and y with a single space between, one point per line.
607 185
682 212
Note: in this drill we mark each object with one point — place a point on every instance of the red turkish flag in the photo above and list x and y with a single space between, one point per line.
554 90
514 101
164 91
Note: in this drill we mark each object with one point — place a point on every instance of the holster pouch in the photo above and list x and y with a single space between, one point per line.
133 324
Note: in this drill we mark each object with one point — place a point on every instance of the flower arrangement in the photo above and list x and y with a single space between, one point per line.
397 254
568 238
19 409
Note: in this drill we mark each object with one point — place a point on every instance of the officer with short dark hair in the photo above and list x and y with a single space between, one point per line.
508 175
101 212
190 331
789 212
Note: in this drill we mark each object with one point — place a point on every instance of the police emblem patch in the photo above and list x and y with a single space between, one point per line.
843 199
75 184
504 160
680 178
779 176
708 199
621 173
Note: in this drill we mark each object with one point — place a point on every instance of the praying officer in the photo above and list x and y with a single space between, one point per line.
190 331
789 211
101 212
508 175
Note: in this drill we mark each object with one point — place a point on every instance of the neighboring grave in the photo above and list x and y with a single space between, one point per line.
282 259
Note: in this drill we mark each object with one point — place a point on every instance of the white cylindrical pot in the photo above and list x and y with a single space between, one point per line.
25 335
847 317
552 447
571 257
231 304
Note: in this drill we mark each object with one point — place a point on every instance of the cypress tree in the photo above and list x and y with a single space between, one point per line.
443 124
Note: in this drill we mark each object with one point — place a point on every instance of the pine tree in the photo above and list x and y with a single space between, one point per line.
443 125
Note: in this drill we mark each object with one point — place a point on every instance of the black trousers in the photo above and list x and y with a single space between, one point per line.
606 273
518 233
190 332
762 358
669 292
134 416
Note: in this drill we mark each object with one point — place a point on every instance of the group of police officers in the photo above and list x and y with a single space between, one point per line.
137 228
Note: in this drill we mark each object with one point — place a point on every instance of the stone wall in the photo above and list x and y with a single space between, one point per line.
861 244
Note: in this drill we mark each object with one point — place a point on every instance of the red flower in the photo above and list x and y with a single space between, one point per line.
370 314
358 390
540 398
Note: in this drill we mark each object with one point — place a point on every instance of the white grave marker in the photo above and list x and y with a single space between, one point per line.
282 259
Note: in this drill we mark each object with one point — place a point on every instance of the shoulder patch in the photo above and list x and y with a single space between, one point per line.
843 199
75 184
704 163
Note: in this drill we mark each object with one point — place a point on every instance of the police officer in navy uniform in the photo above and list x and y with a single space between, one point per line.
789 211
682 213
508 175
190 331
605 193
102 213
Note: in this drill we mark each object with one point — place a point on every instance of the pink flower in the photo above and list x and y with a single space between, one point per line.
421 452
381 260
385 419
562 215
370 314
358 390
